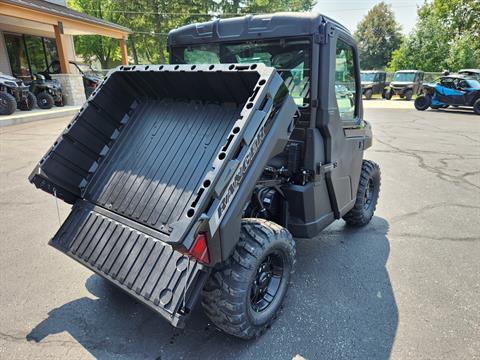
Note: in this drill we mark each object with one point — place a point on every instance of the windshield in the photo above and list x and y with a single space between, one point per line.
404 77
290 58
474 84
366 77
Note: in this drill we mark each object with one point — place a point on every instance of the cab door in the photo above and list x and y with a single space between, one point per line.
340 119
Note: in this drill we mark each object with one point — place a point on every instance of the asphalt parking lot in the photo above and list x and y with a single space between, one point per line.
406 286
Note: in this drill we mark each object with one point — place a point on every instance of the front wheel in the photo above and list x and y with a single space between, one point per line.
368 94
8 104
243 297
388 94
476 107
45 100
408 95
29 103
422 102
367 195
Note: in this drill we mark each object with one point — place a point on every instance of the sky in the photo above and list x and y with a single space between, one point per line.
350 12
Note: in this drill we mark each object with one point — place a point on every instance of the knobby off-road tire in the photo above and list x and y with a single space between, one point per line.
8 104
476 107
422 102
368 94
60 103
29 103
388 95
408 95
45 100
232 297
367 195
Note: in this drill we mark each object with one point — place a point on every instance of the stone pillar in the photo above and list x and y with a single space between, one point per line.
72 87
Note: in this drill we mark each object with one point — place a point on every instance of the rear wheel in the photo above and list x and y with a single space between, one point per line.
367 195
423 102
408 95
476 107
60 103
368 94
45 100
388 94
8 104
244 296
29 103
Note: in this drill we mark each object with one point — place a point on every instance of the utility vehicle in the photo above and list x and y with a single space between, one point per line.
373 82
90 77
405 83
452 90
14 94
191 179
47 92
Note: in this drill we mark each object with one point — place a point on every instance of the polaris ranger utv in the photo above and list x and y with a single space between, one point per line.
373 82
191 179
405 83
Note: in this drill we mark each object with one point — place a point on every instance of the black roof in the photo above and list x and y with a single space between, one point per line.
251 27
54 9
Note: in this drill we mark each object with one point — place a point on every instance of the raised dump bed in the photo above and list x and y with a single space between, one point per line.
156 156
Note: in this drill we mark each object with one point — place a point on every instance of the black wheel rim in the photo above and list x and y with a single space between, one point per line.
267 282
369 193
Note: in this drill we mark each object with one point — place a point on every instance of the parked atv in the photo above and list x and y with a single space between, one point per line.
405 84
14 94
452 90
47 92
373 82
195 186
91 78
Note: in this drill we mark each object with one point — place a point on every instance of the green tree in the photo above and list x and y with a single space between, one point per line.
151 20
445 37
377 36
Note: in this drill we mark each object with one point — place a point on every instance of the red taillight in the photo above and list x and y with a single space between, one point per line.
199 249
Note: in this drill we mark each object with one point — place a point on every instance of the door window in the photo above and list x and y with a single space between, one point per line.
345 82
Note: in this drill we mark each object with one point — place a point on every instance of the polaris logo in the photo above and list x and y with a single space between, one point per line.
238 177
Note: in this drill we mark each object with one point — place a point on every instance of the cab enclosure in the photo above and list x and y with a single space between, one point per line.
373 83
405 83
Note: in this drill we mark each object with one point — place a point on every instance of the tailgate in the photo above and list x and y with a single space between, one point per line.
149 270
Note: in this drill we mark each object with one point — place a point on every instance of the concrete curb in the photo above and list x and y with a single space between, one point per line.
21 117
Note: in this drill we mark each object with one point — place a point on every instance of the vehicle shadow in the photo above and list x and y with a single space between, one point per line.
453 110
340 305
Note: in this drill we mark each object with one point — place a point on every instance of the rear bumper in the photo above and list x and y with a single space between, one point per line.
148 269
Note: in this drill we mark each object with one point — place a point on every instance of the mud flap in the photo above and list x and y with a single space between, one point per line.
148 269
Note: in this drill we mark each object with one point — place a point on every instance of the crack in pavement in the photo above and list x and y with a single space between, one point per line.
431 207
457 180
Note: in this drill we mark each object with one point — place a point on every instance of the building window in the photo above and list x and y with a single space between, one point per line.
29 54
17 55
36 53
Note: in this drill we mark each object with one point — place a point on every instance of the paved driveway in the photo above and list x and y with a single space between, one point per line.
407 286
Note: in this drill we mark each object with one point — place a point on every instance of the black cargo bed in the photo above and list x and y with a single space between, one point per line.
154 168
